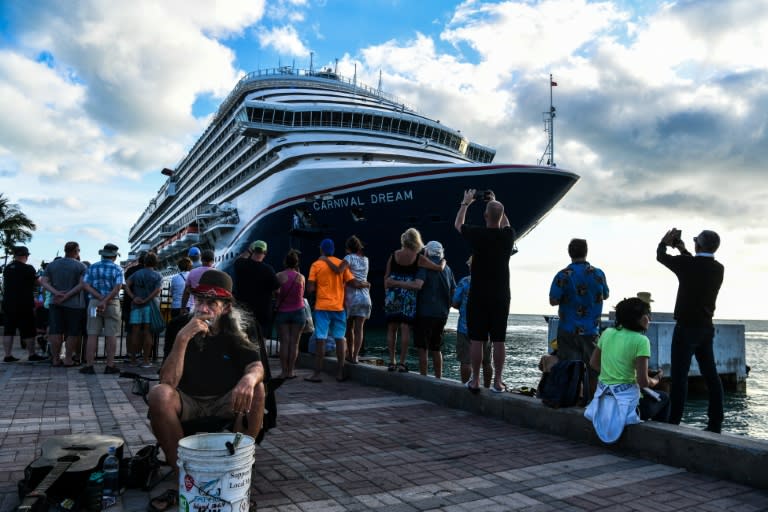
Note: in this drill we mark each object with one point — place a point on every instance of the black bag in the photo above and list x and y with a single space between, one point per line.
561 386
139 471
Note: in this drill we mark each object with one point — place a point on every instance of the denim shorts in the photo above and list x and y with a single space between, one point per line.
330 324
140 315
297 317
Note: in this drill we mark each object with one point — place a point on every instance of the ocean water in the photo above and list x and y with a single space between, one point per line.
746 413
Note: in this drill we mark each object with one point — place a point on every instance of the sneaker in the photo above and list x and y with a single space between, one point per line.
87 370
111 369
35 357
10 359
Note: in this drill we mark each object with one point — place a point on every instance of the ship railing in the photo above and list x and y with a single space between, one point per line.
168 229
349 83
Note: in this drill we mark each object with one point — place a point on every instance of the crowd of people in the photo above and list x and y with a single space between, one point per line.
419 290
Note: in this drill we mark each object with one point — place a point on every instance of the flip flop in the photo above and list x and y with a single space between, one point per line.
391 367
402 368
342 379
312 379
163 502
291 377
471 389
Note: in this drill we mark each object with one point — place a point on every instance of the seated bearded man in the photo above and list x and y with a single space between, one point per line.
212 369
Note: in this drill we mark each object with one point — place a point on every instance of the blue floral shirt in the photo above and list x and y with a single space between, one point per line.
580 289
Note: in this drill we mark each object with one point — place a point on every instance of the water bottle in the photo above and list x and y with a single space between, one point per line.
111 469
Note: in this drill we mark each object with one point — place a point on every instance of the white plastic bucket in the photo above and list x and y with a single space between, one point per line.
212 480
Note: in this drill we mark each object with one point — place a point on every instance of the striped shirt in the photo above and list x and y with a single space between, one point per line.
104 276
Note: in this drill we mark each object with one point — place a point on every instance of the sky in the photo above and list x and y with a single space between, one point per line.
662 110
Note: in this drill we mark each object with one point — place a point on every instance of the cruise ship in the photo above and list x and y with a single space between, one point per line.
294 156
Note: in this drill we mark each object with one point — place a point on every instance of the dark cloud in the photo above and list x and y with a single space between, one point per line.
593 198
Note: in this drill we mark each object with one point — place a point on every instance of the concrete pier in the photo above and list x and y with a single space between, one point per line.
402 442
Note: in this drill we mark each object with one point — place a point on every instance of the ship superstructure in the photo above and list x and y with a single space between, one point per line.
293 156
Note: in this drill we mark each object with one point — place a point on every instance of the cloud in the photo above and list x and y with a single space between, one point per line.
111 89
52 202
284 40
667 108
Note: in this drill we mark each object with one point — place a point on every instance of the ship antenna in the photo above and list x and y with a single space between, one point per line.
379 82
311 59
549 128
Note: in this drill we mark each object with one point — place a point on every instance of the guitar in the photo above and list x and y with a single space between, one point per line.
73 454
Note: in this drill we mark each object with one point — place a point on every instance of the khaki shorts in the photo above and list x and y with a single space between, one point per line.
108 322
462 349
193 407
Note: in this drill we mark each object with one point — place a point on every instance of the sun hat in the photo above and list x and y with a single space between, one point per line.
109 251
259 246
214 283
327 247
20 250
645 297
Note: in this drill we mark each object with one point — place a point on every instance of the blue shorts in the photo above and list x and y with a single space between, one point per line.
140 315
330 324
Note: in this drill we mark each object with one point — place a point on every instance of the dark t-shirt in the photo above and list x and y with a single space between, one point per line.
126 299
18 287
143 283
491 250
216 369
64 274
699 280
254 283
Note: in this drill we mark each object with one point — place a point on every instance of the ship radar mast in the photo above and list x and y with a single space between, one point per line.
549 129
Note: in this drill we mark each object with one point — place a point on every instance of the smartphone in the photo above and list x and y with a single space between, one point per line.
485 195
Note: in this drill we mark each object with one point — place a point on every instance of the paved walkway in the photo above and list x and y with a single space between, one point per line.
347 447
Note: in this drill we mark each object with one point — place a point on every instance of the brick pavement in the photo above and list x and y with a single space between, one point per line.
348 447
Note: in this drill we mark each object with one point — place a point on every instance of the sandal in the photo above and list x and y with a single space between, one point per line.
473 390
402 368
166 501
391 367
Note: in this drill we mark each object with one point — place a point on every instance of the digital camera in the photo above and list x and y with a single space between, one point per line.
485 195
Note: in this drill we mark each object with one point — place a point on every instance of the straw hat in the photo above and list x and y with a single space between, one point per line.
645 297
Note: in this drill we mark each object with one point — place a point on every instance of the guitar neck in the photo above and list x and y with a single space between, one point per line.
35 500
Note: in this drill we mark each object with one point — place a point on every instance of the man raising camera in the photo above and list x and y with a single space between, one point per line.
699 278
488 305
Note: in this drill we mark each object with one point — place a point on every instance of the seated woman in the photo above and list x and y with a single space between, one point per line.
621 359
